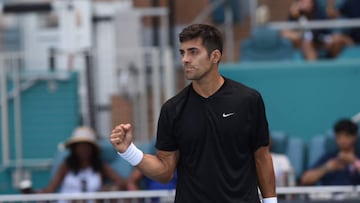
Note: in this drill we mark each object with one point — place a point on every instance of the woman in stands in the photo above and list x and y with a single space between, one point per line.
312 41
83 170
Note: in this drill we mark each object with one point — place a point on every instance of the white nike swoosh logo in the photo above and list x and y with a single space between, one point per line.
227 114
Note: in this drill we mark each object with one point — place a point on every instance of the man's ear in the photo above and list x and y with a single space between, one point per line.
215 56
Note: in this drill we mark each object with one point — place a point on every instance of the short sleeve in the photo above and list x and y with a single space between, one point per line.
165 134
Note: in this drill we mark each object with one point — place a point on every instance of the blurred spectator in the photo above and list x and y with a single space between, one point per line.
282 168
341 167
262 15
83 170
136 177
312 41
331 8
347 9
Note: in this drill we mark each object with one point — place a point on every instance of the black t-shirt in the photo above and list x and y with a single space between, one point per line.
216 137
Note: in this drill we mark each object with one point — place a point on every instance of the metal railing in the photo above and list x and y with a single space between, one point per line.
298 192
119 196
316 24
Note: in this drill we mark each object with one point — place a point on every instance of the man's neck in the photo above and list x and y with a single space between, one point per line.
208 86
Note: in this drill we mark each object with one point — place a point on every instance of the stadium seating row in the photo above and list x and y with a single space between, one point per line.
266 44
300 153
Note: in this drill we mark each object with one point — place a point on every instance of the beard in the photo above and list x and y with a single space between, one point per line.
194 74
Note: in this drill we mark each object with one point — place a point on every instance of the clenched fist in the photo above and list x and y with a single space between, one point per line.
121 137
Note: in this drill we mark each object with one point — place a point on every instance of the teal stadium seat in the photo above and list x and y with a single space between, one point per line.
109 155
296 152
218 15
148 146
293 147
352 52
266 44
279 142
316 148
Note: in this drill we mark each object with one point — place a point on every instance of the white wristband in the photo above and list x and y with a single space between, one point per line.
133 155
270 200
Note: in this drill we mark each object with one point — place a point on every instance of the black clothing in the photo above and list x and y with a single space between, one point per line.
319 35
345 176
216 137
351 9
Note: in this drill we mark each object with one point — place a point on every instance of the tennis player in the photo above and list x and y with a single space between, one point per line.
214 132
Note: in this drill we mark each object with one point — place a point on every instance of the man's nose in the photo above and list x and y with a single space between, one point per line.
185 59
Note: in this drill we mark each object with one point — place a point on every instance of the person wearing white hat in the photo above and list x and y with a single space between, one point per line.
83 170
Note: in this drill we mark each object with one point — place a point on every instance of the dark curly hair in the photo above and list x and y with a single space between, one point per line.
347 126
73 162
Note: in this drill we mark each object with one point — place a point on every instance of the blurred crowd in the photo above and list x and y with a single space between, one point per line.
324 42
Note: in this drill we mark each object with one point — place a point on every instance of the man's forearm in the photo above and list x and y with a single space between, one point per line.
265 173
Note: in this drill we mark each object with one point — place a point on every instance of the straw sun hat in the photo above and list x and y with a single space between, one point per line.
82 134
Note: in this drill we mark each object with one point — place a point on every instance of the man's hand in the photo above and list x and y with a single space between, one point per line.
347 157
334 165
121 137
295 10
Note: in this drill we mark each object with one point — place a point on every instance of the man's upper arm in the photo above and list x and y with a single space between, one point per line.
262 154
170 158
160 167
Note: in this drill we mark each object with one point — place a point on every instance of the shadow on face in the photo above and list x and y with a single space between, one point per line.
345 141
84 150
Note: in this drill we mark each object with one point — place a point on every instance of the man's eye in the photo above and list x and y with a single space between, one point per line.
193 52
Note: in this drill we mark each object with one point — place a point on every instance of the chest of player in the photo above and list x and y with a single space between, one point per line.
215 119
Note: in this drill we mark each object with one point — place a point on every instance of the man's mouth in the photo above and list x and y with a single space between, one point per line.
187 68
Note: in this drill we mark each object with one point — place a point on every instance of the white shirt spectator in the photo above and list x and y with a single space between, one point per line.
282 169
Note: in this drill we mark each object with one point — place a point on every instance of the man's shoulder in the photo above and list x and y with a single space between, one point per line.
240 88
178 98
